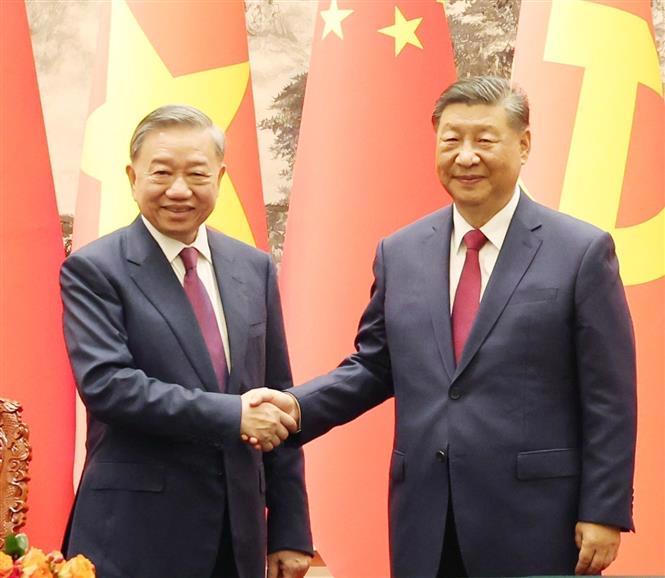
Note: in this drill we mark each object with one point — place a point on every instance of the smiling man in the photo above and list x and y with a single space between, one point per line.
501 328
167 324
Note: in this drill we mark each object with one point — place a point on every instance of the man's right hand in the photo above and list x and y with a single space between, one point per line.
265 396
265 425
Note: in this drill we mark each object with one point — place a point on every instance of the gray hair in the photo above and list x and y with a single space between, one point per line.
490 90
172 115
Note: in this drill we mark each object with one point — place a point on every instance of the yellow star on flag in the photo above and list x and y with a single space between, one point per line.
403 31
137 82
333 18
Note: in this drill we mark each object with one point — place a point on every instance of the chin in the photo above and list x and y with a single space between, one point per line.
179 234
470 197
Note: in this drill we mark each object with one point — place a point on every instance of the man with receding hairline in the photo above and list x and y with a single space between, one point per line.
168 323
501 329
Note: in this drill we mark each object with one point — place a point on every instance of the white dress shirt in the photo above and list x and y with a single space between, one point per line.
495 230
204 269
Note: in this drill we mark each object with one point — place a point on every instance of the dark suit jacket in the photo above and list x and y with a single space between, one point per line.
164 448
534 429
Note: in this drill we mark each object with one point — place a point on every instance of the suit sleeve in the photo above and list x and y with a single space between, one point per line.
286 496
605 350
113 389
362 381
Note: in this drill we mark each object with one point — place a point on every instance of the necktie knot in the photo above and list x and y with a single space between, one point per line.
190 257
475 239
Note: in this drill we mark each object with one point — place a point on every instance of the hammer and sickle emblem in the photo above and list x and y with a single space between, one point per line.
585 34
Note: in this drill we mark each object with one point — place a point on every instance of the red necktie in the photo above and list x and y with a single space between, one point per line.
205 315
467 296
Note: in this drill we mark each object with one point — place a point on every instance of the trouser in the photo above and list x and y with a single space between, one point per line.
451 565
225 566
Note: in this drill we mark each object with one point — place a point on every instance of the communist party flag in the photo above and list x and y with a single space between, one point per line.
592 74
34 369
156 53
364 168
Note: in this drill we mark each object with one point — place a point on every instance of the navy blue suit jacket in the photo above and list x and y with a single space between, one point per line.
164 449
532 431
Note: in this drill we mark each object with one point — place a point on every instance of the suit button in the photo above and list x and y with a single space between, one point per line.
455 392
441 455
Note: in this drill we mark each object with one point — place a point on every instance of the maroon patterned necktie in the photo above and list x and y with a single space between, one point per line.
205 315
467 296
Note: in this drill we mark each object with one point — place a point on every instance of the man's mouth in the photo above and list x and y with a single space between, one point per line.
177 209
469 179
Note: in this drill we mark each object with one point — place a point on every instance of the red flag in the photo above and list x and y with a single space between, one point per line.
155 53
365 167
592 74
33 362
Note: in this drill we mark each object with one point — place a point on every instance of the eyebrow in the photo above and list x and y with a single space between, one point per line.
167 160
450 126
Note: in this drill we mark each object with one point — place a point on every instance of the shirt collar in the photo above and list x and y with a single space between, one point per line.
172 247
495 229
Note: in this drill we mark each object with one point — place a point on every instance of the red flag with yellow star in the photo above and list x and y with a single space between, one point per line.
155 53
592 74
365 167
34 369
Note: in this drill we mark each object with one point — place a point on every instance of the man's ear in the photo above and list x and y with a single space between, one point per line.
222 170
131 175
525 145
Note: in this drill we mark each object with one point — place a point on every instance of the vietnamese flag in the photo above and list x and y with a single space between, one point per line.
34 369
592 74
156 53
178 52
364 168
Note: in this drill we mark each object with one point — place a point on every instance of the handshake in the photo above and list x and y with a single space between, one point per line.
268 417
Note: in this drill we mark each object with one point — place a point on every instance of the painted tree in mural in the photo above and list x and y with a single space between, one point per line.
285 123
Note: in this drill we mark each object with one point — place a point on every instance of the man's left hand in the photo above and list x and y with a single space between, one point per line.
288 564
598 546
286 402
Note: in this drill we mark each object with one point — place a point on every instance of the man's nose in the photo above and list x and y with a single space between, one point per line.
466 157
179 188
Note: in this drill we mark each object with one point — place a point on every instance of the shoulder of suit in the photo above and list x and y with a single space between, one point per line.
565 226
108 244
422 227
223 242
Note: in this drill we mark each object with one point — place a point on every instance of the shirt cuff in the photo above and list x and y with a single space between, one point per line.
298 416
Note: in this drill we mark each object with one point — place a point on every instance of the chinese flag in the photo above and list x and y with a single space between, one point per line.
34 369
156 53
364 168
592 74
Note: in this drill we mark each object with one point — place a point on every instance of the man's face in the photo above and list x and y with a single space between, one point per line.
175 180
479 157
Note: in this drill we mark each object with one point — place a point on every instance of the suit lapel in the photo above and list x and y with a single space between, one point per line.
154 276
517 252
232 289
436 272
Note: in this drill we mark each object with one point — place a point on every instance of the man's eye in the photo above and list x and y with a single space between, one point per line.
160 173
450 139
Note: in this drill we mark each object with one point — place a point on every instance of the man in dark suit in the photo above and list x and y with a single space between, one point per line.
501 328
168 324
